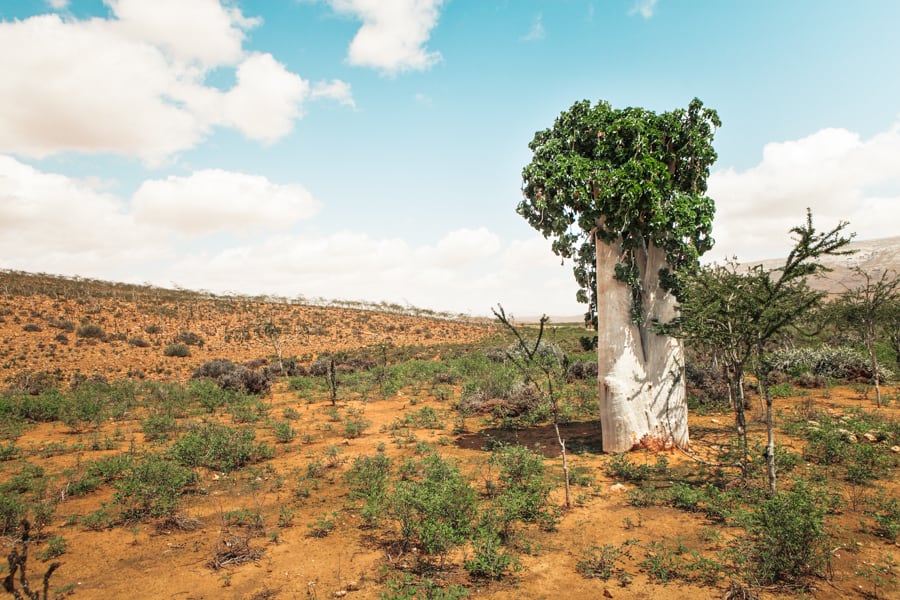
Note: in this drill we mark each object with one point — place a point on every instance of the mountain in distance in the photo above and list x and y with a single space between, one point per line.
872 256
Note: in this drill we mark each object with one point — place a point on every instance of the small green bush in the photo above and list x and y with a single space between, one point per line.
523 492
787 539
177 350
284 433
215 446
152 486
489 559
602 562
369 478
90 331
437 510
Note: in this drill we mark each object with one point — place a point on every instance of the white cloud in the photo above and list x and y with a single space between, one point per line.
199 30
834 172
537 30
135 84
393 35
53 223
266 99
58 4
336 90
216 200
644 8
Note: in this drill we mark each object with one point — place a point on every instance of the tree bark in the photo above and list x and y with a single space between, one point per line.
641 373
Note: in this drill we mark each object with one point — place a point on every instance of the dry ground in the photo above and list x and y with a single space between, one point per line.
171 559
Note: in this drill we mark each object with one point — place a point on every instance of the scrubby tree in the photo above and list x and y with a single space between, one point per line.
869 308
622 192
742 311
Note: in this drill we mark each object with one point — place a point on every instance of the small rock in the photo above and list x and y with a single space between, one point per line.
352 586
812 423
870 437
340 593
607 593
617 487
895 448
852 438
717 422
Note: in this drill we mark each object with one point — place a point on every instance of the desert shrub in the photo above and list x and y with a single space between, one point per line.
887 518
621 467
138 342
63 324
229 375
158 426
706 386
31 328
546 352
602 562
436 510
217 447
90 331
408 588
33 382
12 510
582 369
85 406
786 537
284 432
177 350
523 491
497 355
43 408
355 423
368 479
489 559
836 362
188 338
152 486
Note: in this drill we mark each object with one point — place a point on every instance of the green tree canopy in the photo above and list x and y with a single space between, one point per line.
623 174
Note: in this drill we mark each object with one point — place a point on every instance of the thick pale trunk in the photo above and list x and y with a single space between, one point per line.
642 395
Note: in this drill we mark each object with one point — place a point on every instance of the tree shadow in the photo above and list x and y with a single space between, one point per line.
580 437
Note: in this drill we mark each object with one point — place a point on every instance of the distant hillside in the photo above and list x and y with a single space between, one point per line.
872 256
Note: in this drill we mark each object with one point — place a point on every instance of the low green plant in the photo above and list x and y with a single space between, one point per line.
408 588
177 350
369 478
786 537
284 433
435 510
217 447
522 492
322 526
602 562
56 547
152 486
489 560
887 518
663 562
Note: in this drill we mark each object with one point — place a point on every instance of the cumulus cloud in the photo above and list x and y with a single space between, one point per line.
834 172
393 35
336 90
266 99
215 200
135 84
50 222
200 30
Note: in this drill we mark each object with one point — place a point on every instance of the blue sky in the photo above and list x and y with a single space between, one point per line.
372 149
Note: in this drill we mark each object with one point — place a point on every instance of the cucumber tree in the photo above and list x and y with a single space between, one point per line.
622 193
